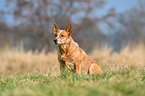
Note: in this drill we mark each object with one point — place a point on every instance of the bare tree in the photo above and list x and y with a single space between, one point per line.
34 20
132 26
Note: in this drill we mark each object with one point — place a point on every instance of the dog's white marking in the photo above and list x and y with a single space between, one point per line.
58 34
90 70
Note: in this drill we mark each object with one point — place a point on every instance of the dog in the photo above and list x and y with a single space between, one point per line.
71 56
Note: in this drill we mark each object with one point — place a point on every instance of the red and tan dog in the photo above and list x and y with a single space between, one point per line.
70 55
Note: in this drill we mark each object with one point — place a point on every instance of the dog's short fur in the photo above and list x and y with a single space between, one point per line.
70 55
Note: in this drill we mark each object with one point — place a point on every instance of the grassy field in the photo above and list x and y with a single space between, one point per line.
33 73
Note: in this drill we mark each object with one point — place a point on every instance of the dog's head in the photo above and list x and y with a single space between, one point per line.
62 36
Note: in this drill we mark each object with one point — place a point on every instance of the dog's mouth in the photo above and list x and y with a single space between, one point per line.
59 43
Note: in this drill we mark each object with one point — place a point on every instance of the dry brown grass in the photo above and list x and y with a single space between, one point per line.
12 61
128 57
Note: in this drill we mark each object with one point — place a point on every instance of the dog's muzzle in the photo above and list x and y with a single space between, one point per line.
55 41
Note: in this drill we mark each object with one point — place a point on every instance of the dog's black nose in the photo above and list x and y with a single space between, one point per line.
55 41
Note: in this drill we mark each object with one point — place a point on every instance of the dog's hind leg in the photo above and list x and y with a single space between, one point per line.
95 69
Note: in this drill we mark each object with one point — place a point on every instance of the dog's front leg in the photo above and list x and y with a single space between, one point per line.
62 66
78 67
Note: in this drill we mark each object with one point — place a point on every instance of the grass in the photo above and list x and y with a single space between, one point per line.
37 74
125 82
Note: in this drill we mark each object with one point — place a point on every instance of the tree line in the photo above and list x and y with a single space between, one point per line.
33 23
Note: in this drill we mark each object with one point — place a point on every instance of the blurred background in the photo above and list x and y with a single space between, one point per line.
29 23
112 32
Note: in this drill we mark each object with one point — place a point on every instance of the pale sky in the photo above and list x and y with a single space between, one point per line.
119 5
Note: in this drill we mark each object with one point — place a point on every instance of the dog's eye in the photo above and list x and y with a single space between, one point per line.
62 35
55 35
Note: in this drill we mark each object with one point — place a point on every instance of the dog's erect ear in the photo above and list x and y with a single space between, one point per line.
55 28
69 29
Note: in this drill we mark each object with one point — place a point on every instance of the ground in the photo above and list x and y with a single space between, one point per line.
124 82
37 74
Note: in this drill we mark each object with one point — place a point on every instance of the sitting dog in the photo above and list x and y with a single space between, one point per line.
70 55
